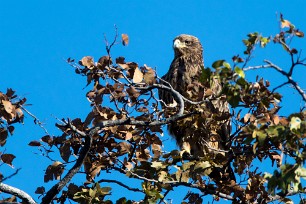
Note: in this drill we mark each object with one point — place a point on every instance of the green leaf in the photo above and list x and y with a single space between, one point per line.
261 137
264 41
240 72
92 193
218 64
205 76
234 100
242 82
105 190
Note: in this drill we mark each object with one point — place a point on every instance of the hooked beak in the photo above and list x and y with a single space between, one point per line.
178 44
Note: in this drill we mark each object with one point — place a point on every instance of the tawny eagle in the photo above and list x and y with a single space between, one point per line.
201 133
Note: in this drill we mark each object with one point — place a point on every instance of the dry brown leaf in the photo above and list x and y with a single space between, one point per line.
128 135
128 165
34 143
149 76
94 170
40 190
54 171
299 34
284 121
19 112
125 39
132 92
65 152
285 23
138 76
123 66
120 60
276 120
208 92
87 61
47 139
8 107
8 159
142 155
3 136
104 62
246 117
11 129
124 148
162 175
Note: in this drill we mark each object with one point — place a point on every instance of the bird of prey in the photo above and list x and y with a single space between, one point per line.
200 134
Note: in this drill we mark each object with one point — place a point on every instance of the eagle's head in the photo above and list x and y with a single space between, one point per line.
186 45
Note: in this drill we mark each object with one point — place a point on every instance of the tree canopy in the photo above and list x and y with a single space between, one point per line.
123 133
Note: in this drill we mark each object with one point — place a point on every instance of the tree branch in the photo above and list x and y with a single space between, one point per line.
280 197
206 190
17 192
83 153
288 75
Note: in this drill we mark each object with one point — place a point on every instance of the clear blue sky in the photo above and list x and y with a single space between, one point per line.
36 36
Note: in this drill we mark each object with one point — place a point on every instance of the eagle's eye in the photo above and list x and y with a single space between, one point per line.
188 42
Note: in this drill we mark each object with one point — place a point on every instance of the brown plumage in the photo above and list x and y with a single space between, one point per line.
203 134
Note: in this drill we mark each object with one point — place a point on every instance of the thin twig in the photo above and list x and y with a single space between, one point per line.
288 75
10 176
36 120
121 184
207 189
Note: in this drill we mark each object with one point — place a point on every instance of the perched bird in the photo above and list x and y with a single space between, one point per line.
200 134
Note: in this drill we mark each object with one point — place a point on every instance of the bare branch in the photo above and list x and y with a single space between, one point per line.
256 67
288 75
17 192
109 46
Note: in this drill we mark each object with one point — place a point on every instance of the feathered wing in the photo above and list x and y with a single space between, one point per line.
198 134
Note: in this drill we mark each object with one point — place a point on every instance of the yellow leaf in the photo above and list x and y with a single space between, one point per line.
156 164
295 123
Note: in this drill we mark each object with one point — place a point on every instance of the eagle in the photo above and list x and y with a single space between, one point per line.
199 134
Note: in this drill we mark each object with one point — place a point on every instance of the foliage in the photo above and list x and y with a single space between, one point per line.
122 133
